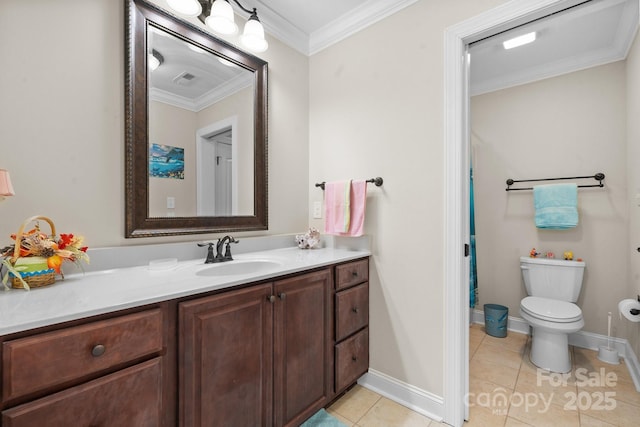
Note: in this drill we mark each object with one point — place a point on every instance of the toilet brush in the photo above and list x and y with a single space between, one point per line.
608 354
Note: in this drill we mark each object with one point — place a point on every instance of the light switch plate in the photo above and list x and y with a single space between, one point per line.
317 210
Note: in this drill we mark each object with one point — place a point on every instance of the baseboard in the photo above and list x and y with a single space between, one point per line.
414 398
580 339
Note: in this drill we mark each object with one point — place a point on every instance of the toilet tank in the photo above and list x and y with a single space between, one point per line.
552 278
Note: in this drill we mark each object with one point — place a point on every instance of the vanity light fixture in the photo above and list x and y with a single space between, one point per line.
218 15
520 40
186 7
6 189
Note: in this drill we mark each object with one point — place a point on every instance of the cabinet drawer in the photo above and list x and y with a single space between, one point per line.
352 310
352 359
352 273
130 397
58 358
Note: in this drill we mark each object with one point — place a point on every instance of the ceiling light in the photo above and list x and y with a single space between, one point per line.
186 7
218 15
520 40
155 59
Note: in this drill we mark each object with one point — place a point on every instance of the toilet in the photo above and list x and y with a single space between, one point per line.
553 287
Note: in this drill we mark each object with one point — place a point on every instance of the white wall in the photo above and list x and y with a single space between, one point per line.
62 121
572 125
376 109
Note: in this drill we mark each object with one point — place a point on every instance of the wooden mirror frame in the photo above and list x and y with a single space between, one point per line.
140 15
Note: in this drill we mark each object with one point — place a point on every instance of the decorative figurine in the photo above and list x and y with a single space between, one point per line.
533 253
309 240
568 255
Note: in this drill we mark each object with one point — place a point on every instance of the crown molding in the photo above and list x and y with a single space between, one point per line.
343 27
354 21
227 89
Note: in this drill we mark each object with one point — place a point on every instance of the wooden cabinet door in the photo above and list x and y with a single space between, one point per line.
130 397
303 361
226 359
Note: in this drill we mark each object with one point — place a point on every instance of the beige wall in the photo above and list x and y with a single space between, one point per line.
62 121
632 330
572 125
377 110
239 105
173 126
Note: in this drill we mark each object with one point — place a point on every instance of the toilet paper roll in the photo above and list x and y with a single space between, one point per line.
626 305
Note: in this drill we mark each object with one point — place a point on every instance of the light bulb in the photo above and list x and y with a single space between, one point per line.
221 20
186 7
253 36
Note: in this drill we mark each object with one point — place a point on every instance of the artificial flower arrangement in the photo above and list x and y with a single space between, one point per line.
35 258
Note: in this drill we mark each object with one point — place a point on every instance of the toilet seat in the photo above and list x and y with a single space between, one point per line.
551 310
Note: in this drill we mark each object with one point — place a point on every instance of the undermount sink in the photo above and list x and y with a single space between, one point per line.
238 267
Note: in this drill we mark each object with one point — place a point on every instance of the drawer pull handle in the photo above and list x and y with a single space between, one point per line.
98 350
354 358
354 273
355 310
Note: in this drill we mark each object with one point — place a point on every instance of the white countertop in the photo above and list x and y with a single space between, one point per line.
83 295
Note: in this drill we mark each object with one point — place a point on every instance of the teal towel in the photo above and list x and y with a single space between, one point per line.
556 206
322 419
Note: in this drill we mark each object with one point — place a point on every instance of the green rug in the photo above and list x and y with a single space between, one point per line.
322 419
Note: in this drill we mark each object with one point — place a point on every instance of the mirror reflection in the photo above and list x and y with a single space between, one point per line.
200 131
196 129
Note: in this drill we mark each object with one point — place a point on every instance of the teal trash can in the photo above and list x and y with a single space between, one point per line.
495 320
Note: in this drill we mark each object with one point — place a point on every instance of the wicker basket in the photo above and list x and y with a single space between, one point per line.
41 278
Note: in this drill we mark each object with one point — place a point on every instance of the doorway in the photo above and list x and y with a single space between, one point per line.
216 169
457 148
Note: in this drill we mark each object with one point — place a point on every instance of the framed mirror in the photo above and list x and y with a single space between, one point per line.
196 130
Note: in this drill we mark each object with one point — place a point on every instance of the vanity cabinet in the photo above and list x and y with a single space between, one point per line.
257 356
104 372
351 323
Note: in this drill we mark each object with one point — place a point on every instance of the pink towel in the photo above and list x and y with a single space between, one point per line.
337 210
358 206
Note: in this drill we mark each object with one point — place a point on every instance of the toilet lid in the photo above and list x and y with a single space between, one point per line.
551 310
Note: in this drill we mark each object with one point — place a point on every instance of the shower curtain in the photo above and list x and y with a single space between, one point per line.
473 273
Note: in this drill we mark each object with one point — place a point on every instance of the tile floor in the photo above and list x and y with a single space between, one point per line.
507 390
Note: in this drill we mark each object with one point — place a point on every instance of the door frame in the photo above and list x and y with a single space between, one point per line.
202 135
456 218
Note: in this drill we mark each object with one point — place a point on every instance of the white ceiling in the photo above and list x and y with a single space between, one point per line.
595 33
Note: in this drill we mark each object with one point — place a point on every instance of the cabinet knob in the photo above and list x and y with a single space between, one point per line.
354 273
282 295
98 350
271 298
354 358
355 310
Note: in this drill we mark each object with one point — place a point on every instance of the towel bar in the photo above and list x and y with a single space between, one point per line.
377 181
598 177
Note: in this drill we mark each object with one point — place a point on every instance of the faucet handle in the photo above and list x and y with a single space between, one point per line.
210 256
227 252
